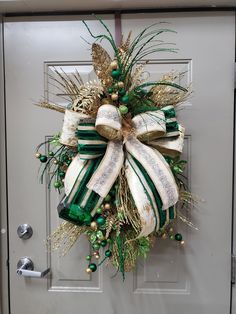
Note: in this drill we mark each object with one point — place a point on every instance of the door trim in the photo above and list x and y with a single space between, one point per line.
4 257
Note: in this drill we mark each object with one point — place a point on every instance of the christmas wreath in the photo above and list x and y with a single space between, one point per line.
117 159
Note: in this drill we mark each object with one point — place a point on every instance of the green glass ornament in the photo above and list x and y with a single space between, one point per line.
57 184
88 257
115 74
96 246
110 90
99 210
101 220
125 99
51 154
172 237
93 267
108 253
123 109
43 158
122 92
103 243
178 237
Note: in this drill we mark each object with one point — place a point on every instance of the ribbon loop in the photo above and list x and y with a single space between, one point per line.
91 144
170 146
108 122
70 123
150 125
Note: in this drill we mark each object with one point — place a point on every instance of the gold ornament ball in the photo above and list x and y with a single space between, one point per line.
164 236
97 256
105 101
99 73
171 230
88 270
114 96
182 242
37 155
107 206
114 65
95 253
93 225
121 84
55 162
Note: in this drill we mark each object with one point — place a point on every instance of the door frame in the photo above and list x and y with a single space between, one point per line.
4 239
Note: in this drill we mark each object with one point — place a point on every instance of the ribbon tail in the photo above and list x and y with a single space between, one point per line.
142 196
157 169
108 170
80 203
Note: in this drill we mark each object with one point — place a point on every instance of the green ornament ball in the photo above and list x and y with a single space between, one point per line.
57 184
125 99
115 74
172 237
100 235
123 109
51 154
101 220
178 237
88 257
99 210
122 92
87 219
93 267
107 198
103 243
61 174
110 90
43 158
96 246
108 253
68 162
65 158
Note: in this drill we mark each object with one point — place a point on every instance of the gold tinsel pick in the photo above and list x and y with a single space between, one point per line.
127 208
101 64
51 106
64 237
166 95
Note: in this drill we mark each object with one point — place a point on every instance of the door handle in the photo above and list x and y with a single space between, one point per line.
25 268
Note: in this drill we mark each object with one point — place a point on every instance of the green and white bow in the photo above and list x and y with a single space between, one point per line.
105 146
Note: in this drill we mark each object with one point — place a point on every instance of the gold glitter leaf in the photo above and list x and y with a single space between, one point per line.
101 63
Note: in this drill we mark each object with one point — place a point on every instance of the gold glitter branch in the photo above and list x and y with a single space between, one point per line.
64 237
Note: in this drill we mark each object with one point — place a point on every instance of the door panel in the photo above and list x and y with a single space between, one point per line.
194 279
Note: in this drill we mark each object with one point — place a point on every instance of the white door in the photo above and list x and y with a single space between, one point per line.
194 279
